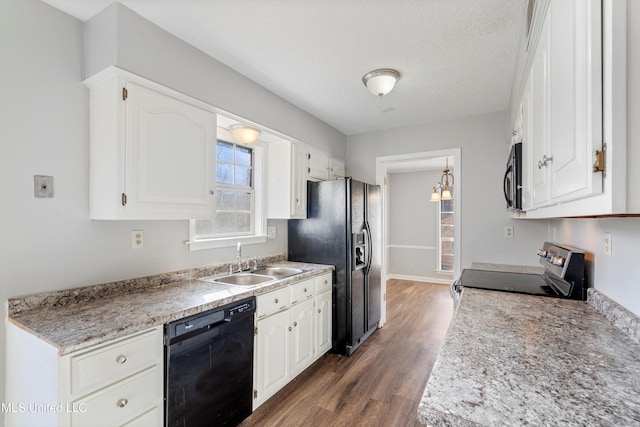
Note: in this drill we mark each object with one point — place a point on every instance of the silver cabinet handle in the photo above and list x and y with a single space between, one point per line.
545 160
289 328
122 403
319 311
121 359
275 300
305 290
295 323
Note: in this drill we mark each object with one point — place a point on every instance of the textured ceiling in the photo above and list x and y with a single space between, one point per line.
456 57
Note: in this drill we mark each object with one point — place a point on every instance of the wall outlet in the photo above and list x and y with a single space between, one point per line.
271 232
137 239
508 232
42 186
607 244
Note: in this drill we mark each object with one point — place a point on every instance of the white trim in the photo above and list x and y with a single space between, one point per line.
382 163
426 248
197 245
438 280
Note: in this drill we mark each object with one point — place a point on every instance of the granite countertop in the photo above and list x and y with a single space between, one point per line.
514 359
71 323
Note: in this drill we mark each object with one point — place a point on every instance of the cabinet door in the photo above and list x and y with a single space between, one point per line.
170 157
336 169
298 182
273 356
302 339
575 98
539 86
323 323
318 165
527 143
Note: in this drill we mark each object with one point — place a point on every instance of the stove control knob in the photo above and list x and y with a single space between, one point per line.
557 260
542 252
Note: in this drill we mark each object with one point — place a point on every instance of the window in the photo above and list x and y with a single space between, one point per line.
445 235
238 199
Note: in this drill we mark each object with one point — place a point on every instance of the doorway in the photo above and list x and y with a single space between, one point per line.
414 175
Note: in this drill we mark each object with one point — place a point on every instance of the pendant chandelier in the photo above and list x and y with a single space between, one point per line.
442 190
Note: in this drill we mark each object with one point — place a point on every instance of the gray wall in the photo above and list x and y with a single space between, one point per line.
412 234
50 244
483 141
145 49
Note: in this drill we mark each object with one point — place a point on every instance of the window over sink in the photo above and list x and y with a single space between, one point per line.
239 214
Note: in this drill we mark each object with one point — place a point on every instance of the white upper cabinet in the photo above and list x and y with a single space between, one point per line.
287 180
565 87
336 169
322 167
152 150
318 165
562 110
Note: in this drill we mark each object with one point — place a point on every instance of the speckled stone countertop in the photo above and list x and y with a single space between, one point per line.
511 359
78 318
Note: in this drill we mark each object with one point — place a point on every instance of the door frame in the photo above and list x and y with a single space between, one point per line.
383 164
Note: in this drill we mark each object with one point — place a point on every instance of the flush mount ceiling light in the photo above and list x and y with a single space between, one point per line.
381 82
442 190
244 134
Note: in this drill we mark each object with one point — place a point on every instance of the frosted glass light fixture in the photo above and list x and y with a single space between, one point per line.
244 134
442 190
380 82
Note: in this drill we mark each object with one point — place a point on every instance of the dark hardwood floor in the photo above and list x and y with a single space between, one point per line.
382 383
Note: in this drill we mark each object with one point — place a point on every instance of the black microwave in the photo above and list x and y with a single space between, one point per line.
512 184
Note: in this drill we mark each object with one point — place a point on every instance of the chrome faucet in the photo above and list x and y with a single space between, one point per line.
239 257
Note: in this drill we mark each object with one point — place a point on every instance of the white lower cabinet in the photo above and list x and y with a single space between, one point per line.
302 336
113 384
273 361
323 322
293 329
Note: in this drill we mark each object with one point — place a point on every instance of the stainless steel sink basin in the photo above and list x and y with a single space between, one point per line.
241 279
277 272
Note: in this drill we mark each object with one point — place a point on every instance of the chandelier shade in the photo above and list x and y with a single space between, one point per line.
442 190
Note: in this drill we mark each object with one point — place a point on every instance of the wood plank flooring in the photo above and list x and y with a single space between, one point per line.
382 383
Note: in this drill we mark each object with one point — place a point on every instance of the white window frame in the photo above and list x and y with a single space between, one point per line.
259 225
440 270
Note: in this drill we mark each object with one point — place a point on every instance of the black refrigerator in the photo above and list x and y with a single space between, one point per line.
343 228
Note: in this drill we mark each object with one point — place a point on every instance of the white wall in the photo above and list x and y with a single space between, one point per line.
483 141
412 234
50 244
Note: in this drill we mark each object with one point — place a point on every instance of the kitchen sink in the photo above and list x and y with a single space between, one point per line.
241 279
277 272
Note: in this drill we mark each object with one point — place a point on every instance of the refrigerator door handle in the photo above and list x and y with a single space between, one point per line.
369 244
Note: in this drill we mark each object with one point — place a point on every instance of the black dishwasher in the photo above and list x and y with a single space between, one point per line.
209 367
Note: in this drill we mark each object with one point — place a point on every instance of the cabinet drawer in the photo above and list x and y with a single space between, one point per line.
154 417
323 283
103 366
121 402
301 291
272 302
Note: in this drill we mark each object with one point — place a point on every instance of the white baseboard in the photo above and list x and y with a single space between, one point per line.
444 281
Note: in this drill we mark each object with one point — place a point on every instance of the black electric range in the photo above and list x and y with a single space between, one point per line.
563 276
